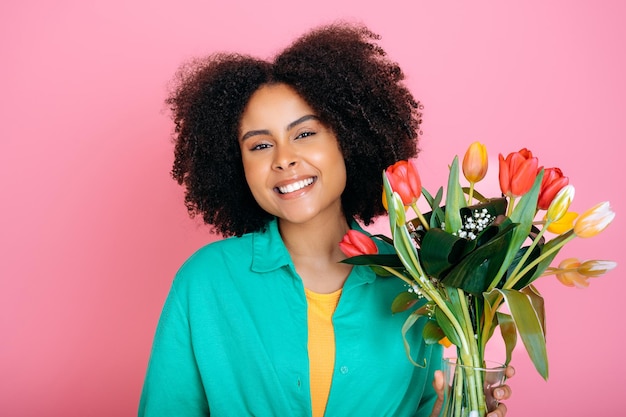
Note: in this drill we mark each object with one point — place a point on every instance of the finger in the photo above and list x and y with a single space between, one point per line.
499 412
502 393
509 372
438 386
438 383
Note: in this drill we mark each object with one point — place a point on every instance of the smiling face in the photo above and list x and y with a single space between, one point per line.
292 161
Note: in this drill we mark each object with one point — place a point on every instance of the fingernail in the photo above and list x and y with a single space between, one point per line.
498 393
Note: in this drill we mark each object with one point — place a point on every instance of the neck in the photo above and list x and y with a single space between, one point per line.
319 238
314 250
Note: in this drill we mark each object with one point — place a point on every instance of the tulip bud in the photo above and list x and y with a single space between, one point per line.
355 243
560 203
475 162
398 208
553 181
564 224
594 220
404 179
596 268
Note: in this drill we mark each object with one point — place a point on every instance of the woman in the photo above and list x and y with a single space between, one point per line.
284 157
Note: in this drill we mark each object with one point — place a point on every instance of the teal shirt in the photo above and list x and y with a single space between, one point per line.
232 340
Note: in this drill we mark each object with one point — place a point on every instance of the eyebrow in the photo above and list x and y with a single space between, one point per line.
288 127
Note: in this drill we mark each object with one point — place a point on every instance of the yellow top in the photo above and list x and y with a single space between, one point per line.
321 346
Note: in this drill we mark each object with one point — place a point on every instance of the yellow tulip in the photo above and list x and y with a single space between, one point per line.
594 220
565 223
475 162
561 202
596 268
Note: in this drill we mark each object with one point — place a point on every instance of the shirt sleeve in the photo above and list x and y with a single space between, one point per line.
173 386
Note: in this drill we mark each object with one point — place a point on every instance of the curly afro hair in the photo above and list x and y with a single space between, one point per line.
341 72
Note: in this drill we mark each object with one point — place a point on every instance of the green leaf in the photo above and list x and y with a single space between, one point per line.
390 203
432 332
441 250
406 250
494 206
380 271
529 325
447 327
384 238
409 322
545 262
523 214
455 199
404 301
476 195
436 216
527 278
509 334
476 271
538 305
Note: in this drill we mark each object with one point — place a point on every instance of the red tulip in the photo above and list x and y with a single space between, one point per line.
405 180
355 243
517 172
553 181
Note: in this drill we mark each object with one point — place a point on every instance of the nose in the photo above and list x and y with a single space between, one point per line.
285 157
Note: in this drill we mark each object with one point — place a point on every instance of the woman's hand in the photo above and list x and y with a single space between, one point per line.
500 393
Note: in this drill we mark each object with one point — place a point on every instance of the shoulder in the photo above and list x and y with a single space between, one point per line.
216 250
215 259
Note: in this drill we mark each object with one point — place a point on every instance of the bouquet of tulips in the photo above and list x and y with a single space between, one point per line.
471 255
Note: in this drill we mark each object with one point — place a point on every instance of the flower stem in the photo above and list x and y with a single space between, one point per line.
472 361
470 195
512 282
509 209
420 216
513 277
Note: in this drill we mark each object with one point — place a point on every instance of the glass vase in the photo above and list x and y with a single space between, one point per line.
468 390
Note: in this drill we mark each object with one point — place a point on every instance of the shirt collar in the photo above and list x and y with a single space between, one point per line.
270 253
269 249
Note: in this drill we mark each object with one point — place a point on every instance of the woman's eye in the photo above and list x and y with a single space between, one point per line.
305 134
259 146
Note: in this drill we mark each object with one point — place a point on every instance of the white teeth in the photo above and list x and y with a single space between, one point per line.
295 186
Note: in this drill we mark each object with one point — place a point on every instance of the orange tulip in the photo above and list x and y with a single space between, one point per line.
405 180
517 172
571 277
576 274
355 243
475 162
553 181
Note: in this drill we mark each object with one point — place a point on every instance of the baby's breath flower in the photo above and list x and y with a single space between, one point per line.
474 224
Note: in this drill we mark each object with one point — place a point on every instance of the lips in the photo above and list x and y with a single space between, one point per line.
295 186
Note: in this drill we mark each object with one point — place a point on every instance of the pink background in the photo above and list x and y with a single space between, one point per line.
92 228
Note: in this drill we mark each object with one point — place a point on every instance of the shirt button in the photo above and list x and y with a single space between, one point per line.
343 370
